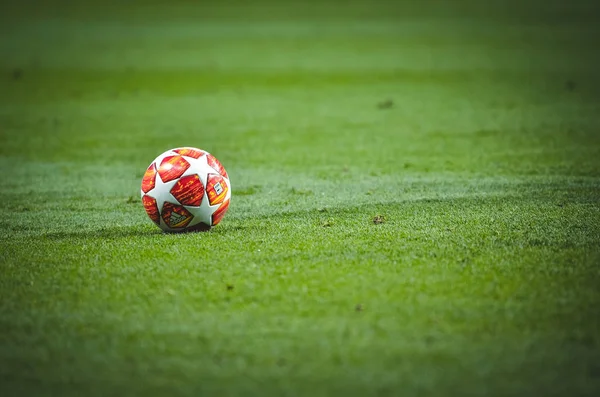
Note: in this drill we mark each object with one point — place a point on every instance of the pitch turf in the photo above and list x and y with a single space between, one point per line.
415 210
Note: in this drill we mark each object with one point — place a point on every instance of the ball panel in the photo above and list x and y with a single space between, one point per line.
149 179
176 216
151 208
216 189
220 213
190 152
189 190
172 167
216 165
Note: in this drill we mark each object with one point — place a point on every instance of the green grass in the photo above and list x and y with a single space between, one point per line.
447 243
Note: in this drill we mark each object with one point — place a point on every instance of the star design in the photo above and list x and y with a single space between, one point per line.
161 191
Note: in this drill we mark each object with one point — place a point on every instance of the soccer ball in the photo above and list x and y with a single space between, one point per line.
186 189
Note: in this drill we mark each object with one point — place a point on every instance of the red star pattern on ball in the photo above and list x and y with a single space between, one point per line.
216 189
220 213
216 165
190 152
172 167
189 190
149 179
176 216
151 208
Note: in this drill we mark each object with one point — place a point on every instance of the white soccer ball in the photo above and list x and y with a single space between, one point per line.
186 189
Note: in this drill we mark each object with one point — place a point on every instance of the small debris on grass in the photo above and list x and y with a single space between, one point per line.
327 223
323 209
379 219
359 307
17 74
387 104
570 85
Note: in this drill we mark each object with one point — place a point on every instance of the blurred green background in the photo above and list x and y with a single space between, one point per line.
415 209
